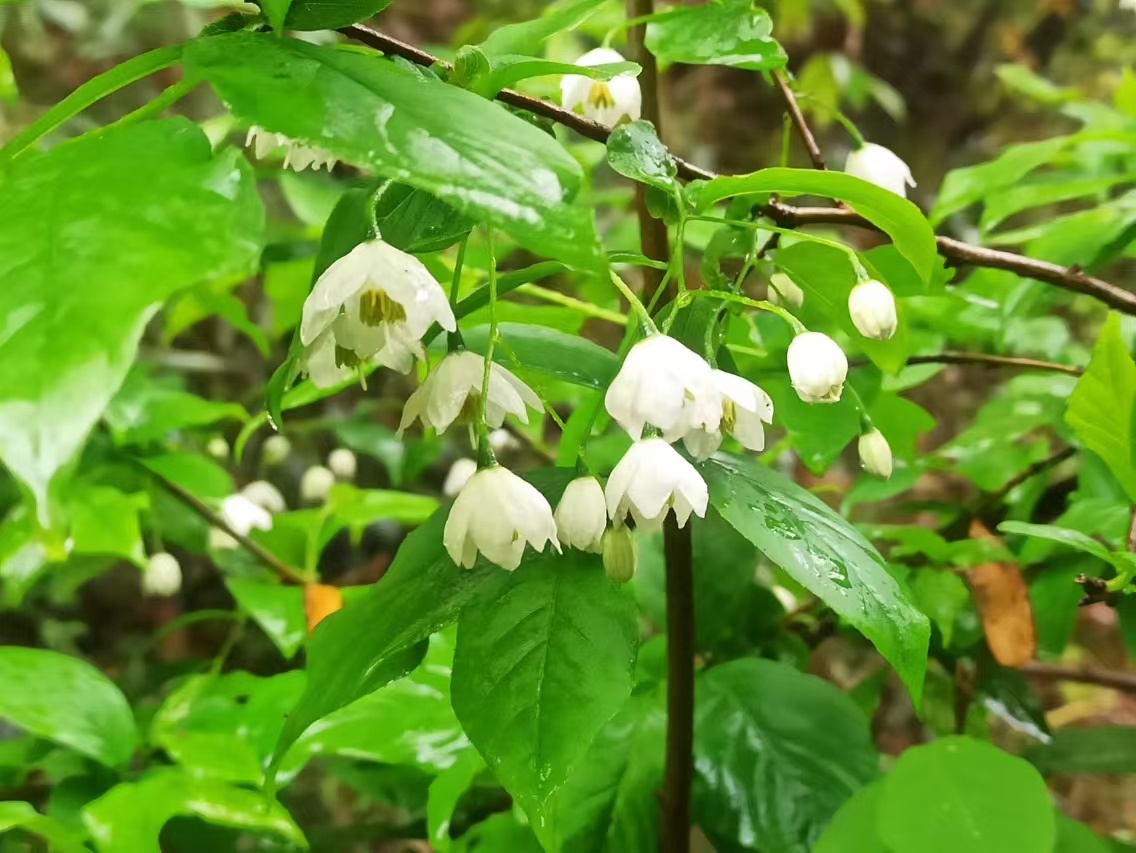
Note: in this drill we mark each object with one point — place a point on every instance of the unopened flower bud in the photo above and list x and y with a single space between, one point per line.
817 368
458 476
162 577
265 495
342 463
217 447
872 307
276 449
620 558
581 515
784 291
315 484
875 454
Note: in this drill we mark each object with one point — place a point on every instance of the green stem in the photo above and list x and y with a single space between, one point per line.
168 97
760 305
853 258
586 308
454 339
633 301
484 450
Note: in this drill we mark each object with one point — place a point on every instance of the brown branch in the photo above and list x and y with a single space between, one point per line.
784 215
951 357
1125 681
799 122
1032 471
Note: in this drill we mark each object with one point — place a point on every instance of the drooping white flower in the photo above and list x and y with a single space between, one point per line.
619 555
315 484
651 479
784 291
452 394
497 514
875 453
243 516
872 307
664 384
342 463
276 449
374 302
458 476
745 408
162 577
817 367
581 515
265 495
297 155
605 101
880 166
217 447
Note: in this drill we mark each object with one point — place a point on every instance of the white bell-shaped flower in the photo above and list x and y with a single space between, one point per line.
217 447
817 368
376 301
276 449
651 479
875 453
265 495
162 577
458 476
342 463
663 384
497 514
581 515
297 155
745 410
452 394
243 516
880 166
872 307
315 484
784 291
605 101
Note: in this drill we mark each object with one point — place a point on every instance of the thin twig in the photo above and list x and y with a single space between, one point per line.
952 357
1125 681
799 120
285 572
678 772
1032 471
788 216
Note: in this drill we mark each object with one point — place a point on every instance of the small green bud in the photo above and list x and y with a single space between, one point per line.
619 555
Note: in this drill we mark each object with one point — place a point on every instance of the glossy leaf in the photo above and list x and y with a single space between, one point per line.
1072 538
135 213
1100 407
330 14
276 608
962 794
853 827
897 217
446 790
105 521
547 352
771 774
468 152
129 818
737 33
1084 749
66 700
527 36
415 221
194 473
610 802
540 668
634 150
825 554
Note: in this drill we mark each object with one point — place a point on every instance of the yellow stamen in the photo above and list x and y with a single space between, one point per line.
600 96
376 308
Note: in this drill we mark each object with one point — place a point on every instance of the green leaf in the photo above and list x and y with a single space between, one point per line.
68 701
1015 199
135 214
145 410
374 113
1072 538
540 668
526 36
506 71
942 595
545 351
962 794
446 790
414 220
129 818
357 508
897 217
1074 837
1100 407
422 592
17 815
825 554
1108 750
634 150
275 11
609 804
104 521
330 14
201 477
277 609
771 774
737 33
853 827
